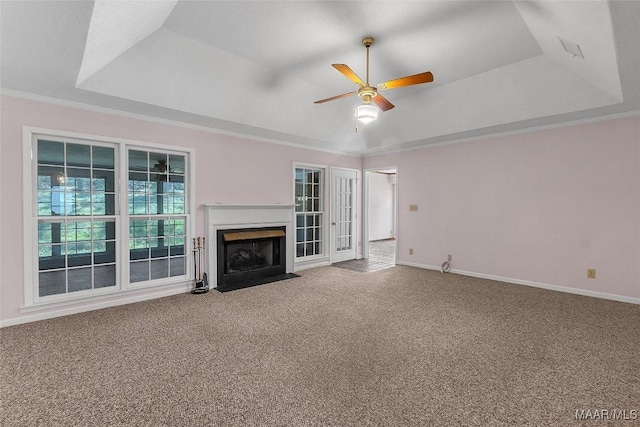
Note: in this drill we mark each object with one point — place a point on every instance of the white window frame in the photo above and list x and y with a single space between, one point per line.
125 214
30 218
69 218
325 212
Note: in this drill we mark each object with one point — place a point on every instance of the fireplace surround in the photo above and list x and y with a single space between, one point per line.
251 234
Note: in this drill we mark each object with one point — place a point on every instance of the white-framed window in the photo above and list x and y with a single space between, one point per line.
103 216
76 216
156 199
309 197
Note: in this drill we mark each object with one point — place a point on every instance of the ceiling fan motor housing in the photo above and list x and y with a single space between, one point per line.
366 93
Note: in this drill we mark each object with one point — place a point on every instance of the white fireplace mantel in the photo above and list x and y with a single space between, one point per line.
224 217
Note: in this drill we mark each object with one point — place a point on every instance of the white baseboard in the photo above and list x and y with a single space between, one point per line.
576 291
415 264
184 289
311 264
50 314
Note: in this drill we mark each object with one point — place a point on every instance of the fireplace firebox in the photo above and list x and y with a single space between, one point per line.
250 256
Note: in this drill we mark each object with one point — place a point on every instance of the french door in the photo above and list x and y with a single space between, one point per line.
343 220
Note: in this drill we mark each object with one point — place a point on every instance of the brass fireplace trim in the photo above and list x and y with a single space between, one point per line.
234 236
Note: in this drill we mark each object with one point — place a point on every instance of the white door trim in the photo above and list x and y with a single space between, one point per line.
366 210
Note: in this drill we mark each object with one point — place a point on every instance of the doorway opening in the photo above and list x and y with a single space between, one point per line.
380 219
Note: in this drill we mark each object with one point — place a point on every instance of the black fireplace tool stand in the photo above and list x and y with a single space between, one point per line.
201 282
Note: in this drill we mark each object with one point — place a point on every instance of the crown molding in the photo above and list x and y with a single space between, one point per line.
185 125
614 116
158 120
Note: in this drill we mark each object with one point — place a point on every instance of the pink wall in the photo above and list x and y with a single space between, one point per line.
228 170
540 207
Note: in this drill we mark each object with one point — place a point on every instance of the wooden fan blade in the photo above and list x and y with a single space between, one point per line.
416 79
344 95
382 102
344 69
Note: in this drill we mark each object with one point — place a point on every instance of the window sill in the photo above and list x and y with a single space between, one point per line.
111 298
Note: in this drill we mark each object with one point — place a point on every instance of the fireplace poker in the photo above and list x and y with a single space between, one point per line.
195 263
201 256
199 266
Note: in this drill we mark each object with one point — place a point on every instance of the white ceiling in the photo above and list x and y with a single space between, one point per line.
255 68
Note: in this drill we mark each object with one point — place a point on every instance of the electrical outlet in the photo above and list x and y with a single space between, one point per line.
413 208
449 257
410 251
591 273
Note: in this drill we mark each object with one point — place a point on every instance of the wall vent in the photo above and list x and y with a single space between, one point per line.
571 48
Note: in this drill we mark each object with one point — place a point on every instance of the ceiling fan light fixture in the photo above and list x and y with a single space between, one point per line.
366 113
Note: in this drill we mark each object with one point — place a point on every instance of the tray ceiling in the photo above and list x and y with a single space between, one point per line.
255 68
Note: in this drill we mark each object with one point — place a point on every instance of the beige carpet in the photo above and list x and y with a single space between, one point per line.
397 347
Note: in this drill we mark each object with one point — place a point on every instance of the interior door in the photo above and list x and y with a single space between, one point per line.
343 221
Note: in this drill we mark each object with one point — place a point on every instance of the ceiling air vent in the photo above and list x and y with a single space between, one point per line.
571 47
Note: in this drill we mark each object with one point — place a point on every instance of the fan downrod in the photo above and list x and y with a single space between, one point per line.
366 92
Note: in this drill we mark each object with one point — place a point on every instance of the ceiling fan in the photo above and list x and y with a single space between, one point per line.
368 93
162 168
